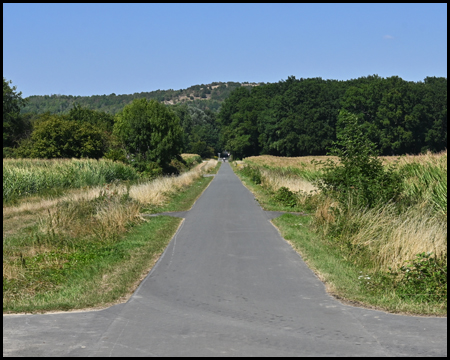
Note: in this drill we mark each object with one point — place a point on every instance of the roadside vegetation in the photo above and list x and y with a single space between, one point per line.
374 229
91 246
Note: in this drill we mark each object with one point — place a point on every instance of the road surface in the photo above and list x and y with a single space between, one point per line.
227 285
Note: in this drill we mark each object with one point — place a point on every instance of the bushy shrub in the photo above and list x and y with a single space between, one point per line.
425 278
9 153
253 173
285 197
360 175
193 160
57 137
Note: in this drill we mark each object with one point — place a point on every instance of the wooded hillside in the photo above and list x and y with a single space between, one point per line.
202 96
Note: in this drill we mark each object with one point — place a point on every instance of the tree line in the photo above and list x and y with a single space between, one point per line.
293 117
299 117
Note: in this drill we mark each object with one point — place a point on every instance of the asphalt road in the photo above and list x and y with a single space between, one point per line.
227 285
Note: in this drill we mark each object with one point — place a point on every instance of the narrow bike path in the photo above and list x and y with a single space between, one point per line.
227 285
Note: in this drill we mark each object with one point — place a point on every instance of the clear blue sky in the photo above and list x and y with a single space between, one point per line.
96 49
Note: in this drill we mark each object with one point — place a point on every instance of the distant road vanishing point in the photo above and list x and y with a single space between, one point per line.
227 285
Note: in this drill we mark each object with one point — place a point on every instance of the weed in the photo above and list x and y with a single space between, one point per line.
424 278
285 197
253 173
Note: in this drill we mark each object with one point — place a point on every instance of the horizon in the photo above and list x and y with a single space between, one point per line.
222 82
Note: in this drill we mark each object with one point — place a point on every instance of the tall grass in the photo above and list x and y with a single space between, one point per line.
386 238
427 182
22 177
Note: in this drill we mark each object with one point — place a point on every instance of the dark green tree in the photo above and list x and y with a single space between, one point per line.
150 131
55 136
99 119
14 125
435 103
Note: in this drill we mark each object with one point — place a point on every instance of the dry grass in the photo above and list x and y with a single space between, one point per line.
156 192
395 238
428 158
59 213
274 181
301 162
13 271
188 156
156 195
37 204
323 215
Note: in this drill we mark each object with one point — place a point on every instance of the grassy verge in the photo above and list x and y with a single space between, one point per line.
87 275
346 266
89 251
345 280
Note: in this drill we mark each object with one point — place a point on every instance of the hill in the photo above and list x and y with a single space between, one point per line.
203 96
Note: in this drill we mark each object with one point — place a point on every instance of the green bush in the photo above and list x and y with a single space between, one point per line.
425 278
360 176
9 152
57 137
253 173
285 197
193 160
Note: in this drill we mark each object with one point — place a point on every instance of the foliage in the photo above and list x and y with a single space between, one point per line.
14 125
360 176
214 94
57 137
200 130
150 132
253 173
424 278
294 117
286 197
191 159
99 119
299 117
